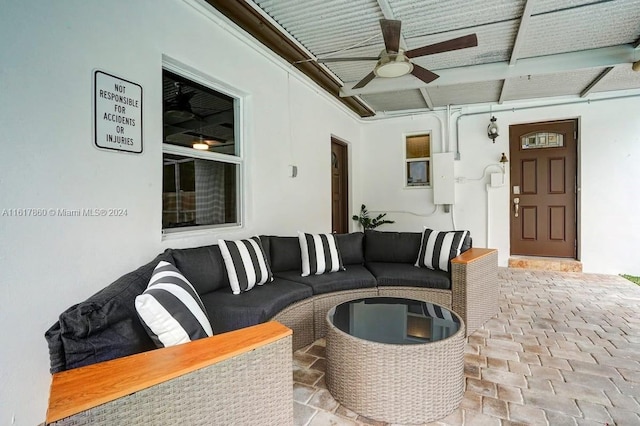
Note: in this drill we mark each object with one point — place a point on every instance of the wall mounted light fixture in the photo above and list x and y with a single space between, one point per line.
503 162
492 129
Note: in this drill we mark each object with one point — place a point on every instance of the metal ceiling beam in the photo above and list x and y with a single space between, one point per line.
427 98
522 29
558 63
595 82
517 44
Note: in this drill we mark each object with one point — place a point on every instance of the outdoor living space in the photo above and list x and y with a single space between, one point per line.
564 350
134 129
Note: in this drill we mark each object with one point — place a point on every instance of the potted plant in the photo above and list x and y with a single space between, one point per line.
368 223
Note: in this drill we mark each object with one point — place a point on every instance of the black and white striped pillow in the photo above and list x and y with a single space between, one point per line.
438 248
170 309
246 264
320 254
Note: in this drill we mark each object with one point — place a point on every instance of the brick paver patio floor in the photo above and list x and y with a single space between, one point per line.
564 350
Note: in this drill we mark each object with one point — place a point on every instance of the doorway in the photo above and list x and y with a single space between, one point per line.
339 187
544 189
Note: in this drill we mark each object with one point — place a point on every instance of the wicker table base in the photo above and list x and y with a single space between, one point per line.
396 383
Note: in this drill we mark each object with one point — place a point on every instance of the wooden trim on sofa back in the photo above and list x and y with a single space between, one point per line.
472 255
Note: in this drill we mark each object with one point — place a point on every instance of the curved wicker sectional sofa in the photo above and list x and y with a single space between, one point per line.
106 327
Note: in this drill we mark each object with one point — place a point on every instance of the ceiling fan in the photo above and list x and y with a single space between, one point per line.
179 108
395 62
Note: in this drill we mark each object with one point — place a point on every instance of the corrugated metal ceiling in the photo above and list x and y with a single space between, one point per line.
554 27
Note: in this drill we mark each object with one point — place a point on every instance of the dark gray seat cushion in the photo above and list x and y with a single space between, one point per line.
103 327
228 311
355 276
403 274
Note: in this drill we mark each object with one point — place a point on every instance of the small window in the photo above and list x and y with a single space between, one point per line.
542 140
198 191
202 162
418 159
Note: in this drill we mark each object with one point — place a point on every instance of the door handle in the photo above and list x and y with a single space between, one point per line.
516 204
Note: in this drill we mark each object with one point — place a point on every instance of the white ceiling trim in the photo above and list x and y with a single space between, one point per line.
558 63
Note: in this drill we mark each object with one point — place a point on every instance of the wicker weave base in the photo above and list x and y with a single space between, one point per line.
433 295
299 318
250 389
396 383
475 290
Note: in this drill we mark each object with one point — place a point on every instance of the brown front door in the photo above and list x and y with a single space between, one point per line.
339 187
543 188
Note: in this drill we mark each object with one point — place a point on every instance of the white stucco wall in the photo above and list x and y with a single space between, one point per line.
609 150
48 160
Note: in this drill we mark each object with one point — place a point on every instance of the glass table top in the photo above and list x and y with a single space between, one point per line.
394 320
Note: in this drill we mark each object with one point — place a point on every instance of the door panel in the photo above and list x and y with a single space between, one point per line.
529 223
339 187
543 179
529 179
557 223
557 182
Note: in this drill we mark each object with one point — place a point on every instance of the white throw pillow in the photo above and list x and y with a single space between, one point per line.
170 309
438 248
320 254
246 264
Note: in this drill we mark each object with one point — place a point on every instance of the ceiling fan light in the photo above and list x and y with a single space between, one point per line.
176 114
393 69
200 145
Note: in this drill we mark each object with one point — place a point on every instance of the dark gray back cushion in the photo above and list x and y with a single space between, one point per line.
284 253
466 244
103 327
394 247
351 248
203 267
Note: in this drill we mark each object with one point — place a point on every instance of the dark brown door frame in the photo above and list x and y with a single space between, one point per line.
544 171
340 171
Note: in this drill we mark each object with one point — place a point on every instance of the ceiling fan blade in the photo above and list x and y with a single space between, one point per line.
445 46
357 58
391 34
365 81
424 74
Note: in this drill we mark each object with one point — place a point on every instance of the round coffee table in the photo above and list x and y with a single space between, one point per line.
395 360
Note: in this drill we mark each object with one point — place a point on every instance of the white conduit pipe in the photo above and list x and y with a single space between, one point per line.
513 109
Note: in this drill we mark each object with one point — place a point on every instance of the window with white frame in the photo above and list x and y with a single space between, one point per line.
201 155
418 160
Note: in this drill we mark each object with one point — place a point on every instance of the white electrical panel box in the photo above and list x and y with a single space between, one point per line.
443 178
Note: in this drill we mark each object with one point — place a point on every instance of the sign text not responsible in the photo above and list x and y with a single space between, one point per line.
118 113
